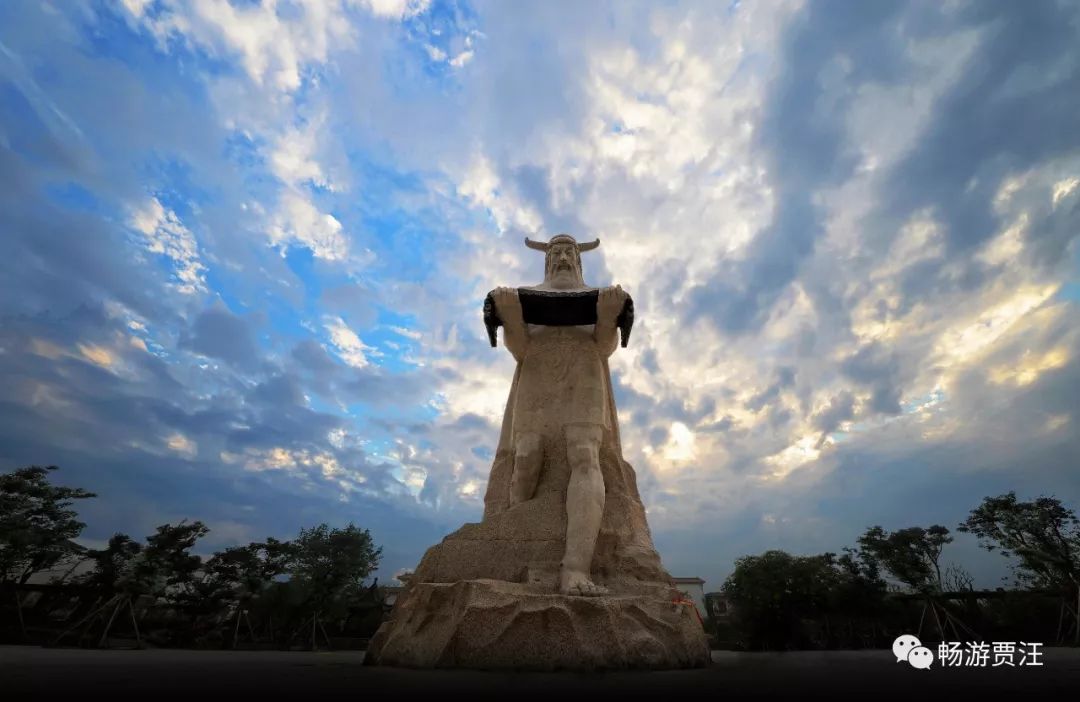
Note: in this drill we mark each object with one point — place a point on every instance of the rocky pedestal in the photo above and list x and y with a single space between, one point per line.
496 624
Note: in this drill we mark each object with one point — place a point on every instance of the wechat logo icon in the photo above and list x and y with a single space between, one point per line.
909 648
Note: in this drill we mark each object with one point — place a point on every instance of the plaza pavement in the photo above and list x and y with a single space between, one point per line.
28 672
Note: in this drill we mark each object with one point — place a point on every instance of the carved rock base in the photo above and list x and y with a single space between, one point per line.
494 624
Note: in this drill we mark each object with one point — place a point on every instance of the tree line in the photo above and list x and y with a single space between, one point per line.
279 592
307 589
874 591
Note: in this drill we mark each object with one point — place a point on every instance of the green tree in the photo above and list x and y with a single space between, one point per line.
112 564
912 555
772 593
861 589
248 571
1042 534
166 567
37 524
330 565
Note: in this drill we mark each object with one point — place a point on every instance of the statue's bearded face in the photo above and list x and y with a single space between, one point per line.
563 264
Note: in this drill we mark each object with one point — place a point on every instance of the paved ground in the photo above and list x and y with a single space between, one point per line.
27 672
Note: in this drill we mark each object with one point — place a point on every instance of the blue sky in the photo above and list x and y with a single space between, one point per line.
246 246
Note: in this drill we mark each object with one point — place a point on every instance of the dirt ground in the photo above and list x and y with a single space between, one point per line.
29 672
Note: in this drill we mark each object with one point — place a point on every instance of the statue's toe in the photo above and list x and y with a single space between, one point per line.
579 585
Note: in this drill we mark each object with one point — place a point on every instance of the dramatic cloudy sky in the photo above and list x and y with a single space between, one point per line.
245 247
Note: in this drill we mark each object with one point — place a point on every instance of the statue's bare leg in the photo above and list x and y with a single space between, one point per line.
584 510
528 457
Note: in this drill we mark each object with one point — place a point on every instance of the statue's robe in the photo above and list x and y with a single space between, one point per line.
562 379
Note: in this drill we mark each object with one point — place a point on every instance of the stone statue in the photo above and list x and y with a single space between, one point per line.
561 572
562 388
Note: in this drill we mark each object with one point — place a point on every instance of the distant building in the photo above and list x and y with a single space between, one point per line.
390 594
717 606
694 589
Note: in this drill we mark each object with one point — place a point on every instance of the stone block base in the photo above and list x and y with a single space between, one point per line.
492 624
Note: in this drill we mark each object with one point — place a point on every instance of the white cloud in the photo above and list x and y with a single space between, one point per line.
293 158
165 234
271 48
394 9
481 185
299 221
461 59
435 53
273 45
136 7
348 345
408 333
1063 188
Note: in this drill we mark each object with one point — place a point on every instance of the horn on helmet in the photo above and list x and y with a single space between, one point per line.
538 245
588 246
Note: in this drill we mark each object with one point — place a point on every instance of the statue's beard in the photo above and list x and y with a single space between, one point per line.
566 276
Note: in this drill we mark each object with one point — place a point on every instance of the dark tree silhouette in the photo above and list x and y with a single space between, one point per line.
912 555
1042 534
112 564
37 524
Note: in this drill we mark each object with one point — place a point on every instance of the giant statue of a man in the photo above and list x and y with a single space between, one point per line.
562 391
561 572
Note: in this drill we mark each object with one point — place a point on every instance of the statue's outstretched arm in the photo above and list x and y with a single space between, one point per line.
515 333
609 304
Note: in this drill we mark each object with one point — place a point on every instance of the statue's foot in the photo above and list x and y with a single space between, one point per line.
578 584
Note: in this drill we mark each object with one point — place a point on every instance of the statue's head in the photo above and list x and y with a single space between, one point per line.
562 259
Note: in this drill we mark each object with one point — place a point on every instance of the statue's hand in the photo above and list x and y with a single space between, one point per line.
609 304
507 303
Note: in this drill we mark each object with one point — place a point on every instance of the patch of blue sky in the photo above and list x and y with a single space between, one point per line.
287 321
1069 291
442 23
431 41
25 131
219 280
319 404
312 76
247 151
175 186
841 437
915 404
73 196
405 251
287 325
109 33
394 349
383 194
390 414
301 261
380 447
381 181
